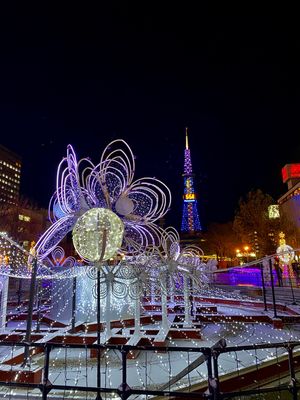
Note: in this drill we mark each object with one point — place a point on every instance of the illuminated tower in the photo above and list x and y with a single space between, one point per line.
190 217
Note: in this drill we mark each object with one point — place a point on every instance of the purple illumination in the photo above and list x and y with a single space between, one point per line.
248 276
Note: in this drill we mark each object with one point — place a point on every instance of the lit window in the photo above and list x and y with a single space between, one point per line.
21 217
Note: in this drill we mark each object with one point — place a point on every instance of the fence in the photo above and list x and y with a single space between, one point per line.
276 361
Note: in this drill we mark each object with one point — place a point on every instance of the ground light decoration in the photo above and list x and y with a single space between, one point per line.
15 262
235 333
116 278
58 262
122 283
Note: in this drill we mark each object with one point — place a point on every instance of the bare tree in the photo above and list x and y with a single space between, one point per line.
222 240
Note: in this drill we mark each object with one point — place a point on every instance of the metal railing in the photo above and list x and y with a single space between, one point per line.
266 278
284 356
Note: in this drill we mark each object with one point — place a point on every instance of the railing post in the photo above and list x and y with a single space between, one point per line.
293 382
47 385
210 380
124 389
216 383
273 290
38 306
98 397
291 285
263 285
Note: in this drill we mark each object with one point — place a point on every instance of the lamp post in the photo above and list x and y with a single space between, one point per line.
238 255
246 248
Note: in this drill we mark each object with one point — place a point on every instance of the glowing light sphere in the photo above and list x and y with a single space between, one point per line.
92 228
285 253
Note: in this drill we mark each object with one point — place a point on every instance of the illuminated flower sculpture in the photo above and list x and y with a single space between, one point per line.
14 262
176 270
121 284
173 262
58 259
84 190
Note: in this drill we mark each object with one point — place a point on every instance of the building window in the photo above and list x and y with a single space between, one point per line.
24 218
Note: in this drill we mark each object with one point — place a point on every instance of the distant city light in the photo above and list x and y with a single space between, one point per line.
273 211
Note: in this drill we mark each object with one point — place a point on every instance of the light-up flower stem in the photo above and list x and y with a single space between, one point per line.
141 281
174 266
32 262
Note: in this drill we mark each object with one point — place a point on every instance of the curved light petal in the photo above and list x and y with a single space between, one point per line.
118 153
170 242
139 238
70 196
152 199
69 262
53 235
106 183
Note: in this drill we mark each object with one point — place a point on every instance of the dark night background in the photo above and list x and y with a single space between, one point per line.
91 76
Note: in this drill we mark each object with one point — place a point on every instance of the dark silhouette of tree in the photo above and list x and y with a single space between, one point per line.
23 221
254 227
221 240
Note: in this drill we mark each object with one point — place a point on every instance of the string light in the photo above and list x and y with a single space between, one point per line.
101 204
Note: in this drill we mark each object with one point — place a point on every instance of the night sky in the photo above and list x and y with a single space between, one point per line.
91 76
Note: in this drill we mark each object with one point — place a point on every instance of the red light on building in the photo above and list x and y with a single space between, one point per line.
290 171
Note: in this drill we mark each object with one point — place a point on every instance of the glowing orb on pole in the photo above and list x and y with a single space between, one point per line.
285 253
92 228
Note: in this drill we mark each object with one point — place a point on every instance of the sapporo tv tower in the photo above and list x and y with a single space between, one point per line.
190 218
